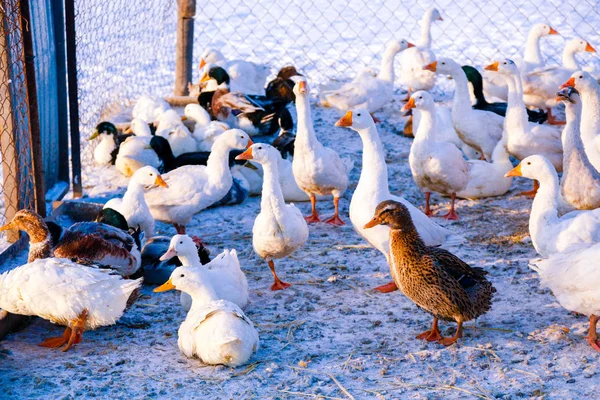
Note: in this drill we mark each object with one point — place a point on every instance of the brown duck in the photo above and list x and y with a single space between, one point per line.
433 278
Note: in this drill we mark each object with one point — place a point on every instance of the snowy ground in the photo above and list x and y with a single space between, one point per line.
330 335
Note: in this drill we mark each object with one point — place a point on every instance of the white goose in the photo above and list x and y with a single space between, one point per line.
318 170
205 131
412 60
279 229
436 165
148 107
216 331
550 233
133 204
134 153
479 129
192 188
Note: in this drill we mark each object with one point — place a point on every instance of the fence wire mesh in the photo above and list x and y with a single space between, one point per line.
127 47
16 172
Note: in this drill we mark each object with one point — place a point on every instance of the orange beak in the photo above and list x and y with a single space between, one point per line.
410 45
346 120
302 87
205 78
128 130
250 143
202 63
569 83
553 31
492 67
374 222
247 155
431 67
589 48
168 285
184 118
161 182
409 105
440 18
516 171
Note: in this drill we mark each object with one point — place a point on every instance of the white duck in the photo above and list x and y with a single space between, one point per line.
539 86
166 121
574 279
147 107
139 128
246 77
318 170
216 331
279 229
224 272
369 92
181 140
478 128
134 153
67 293
488 178
550 233
412 60
580 182
205 131
133 204
495 86
589 90
192 188
436 165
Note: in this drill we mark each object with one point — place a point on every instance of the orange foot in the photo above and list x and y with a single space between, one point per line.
335 220
56 342
311 219
387 288
529 193
594 343
430 336
451 216
280 285
447 341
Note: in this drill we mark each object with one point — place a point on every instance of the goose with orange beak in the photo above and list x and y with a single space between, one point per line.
279 229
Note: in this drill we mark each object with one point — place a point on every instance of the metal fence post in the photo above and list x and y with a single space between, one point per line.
185 46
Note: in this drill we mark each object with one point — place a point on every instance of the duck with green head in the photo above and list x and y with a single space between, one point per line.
106 151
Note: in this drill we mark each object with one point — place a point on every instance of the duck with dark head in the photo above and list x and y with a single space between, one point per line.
433 278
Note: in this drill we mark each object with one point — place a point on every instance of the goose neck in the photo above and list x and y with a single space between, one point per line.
462 99
374 169
217 165
272 195
305 132
533 54
425 40
569 61
202 294
426 129
190 259
516 114
386 72
544 210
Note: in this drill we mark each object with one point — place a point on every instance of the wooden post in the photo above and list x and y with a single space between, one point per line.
185 46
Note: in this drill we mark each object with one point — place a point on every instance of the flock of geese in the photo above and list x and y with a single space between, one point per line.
86 275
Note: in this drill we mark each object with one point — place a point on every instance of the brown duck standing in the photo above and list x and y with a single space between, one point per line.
433 278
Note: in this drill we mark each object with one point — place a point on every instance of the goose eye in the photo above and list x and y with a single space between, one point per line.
182 276
443 63
151 174
580 76
528 162
420 97
504 63
181 242
358 115
260 147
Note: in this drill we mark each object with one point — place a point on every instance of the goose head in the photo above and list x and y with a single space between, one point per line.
504 67
185 279
210 56
433 14
583 81
30 222
396 46
149 175
215 77
357 119
300 86
180 245
139 127
420 100
532 167
578 45
391 213
196 113
443 66
541 30
262 153
234 139
104 129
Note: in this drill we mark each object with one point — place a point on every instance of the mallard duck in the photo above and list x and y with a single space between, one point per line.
282 86
66 293
550 233
574 279
279 229
246 77
105 152
479 129
580 182
205 131
318 170
437 166
476 80
133 205
373 188
370 93
193 188
147 108
224 271
216 331
411 61
433 278
589 89
284 142
87 242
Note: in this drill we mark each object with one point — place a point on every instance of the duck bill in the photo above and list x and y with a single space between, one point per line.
128 130
431 67
589 48
161 182
409 45
374 222
346 120
553 31
94 135
205 78
184 118
7 226
492 67
202 63
569 83
409 105
168 255
302 87
247 155
516 171
165 287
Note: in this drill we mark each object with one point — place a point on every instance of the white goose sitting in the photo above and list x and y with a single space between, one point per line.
539 86
318 170
216 331
166 122
369 92
373 188
148 107
589 90
205 131
192 188
550 233
574 278
580 182
279 229
135 152
133 205
246 77
66 293
412 60
478 128
437 166
181 140
526 138
224 272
